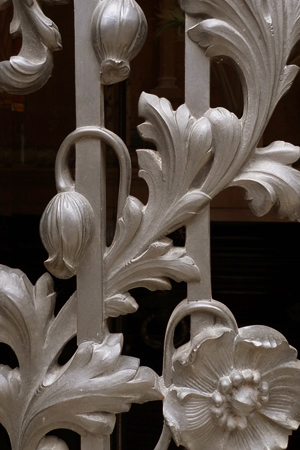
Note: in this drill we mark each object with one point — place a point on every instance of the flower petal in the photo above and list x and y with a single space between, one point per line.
205 437
174 414
262 353
191 422
261 335
260 434
283 405
205 363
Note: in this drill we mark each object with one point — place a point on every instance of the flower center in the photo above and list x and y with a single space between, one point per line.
237 396
244 400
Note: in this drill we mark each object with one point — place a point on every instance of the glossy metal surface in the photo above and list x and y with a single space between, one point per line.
227 388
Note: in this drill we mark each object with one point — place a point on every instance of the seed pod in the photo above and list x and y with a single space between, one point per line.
66 229
119 30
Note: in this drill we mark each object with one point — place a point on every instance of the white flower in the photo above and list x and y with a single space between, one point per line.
234 390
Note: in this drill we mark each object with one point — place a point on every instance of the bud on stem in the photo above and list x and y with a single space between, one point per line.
119 30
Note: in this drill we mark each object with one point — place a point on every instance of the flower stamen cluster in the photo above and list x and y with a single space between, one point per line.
233 388
237 396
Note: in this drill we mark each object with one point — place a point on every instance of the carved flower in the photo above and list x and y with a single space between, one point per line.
66 228
119 30
234 390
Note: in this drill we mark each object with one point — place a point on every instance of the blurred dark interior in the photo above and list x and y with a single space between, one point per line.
255 261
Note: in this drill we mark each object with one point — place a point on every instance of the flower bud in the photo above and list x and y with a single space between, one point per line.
65 229
119 30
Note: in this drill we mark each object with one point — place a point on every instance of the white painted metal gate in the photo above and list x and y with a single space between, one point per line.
227 388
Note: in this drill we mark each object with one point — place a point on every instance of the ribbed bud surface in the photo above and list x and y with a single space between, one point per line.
66 228
119 30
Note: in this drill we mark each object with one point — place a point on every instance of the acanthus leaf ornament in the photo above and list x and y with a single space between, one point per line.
269 180
170 262
227 388
31 68
120 304
137 249
84 394
183 149
183 175
257 39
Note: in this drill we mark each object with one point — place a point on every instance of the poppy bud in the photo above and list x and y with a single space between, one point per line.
119 30
65 229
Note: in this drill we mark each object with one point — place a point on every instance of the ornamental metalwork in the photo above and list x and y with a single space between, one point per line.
227 388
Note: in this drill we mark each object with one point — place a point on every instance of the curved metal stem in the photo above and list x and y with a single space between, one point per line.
164 440
184 309
64 180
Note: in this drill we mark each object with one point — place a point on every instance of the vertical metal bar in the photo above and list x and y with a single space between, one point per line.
197 97
92 442
90 181
90 174
197 74
198 248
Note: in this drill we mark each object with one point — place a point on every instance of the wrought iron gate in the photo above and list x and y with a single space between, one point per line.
227 388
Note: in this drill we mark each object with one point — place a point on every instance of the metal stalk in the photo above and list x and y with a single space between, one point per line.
90 181
197 97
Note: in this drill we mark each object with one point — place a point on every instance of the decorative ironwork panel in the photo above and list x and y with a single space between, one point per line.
227 388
